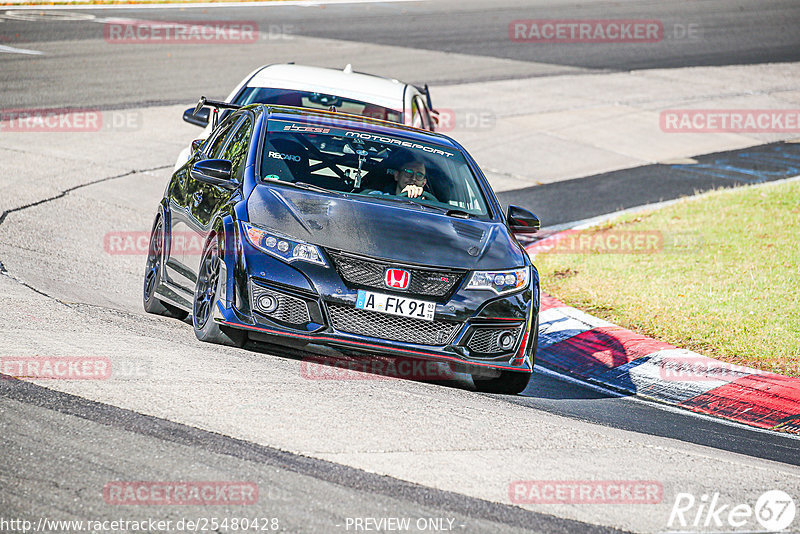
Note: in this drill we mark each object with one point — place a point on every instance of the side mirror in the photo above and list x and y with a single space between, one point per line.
214 172
198 119
521 221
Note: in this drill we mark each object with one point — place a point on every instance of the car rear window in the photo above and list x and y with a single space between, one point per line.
307 99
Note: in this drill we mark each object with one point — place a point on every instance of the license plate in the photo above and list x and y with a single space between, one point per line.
394 305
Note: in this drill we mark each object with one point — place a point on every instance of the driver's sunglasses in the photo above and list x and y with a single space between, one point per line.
413 175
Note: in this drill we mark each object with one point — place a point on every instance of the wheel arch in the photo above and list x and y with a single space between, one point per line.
225 230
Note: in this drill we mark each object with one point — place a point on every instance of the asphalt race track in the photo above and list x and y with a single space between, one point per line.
324 453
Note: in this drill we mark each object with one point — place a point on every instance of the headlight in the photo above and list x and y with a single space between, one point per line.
282 247
500 281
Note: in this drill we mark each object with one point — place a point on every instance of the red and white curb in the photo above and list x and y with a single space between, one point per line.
580 346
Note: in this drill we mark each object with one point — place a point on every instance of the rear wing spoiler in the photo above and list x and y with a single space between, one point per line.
216 105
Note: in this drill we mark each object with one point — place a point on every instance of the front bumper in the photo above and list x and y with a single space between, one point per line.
316 306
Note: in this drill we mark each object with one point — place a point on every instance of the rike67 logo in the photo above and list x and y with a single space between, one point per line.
774 511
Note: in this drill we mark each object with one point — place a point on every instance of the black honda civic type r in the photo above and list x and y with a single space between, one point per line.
306 228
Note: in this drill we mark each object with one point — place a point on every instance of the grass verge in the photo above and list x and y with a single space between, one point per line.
717 274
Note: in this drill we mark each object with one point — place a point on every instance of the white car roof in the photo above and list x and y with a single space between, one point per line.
384 92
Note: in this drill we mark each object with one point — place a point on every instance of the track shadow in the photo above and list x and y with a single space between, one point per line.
328 364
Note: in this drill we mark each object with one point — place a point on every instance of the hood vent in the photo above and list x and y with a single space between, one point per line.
468 231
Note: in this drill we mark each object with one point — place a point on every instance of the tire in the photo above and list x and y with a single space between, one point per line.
205 299
152 277
508 383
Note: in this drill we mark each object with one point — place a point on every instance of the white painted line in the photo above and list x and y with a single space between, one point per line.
565 322
204 5
38 16
572 380
12 50
655 403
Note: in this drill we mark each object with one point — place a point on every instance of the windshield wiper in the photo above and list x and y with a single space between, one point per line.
312 187
450 212
306 186
458 213
402 200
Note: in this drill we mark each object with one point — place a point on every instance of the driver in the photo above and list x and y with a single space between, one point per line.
409 178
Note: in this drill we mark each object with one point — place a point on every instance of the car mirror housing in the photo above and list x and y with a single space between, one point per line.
522 221
214 172
199 119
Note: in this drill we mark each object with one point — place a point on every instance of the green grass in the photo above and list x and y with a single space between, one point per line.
725 283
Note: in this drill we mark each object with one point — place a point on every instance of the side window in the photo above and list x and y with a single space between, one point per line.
236 150
214 146
422 110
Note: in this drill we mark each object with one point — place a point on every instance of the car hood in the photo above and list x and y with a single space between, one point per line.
383 229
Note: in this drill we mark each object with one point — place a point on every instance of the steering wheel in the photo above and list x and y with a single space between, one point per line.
424 196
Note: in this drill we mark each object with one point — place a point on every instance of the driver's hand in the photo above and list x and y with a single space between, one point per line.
413 191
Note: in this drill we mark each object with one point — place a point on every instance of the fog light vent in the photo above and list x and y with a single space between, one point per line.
492 340
279 306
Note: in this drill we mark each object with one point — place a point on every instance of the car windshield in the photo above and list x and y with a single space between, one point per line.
306 99
373 166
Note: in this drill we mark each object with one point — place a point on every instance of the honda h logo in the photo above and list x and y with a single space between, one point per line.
397 278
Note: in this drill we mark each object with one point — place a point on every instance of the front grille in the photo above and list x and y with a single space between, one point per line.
391 327
291 310
487 340
370 273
